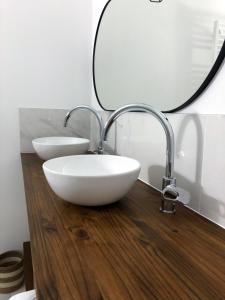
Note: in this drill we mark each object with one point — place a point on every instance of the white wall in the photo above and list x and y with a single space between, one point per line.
45 62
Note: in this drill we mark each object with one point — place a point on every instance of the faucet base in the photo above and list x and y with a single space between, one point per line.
168 207
100 150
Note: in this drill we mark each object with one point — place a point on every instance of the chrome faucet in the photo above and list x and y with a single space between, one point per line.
99 119
169 193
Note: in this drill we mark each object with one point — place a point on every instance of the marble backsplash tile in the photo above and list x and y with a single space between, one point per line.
38 122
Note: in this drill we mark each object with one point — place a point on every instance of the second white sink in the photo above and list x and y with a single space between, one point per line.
91 179
56 146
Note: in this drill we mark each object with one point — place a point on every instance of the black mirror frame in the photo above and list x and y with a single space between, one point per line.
206 83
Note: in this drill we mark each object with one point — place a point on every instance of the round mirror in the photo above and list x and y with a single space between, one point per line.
160 52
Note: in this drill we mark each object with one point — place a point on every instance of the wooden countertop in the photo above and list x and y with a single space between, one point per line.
128 250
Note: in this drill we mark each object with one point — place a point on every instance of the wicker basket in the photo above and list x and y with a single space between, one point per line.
11 271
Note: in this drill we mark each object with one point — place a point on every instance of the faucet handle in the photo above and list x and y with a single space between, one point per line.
170 193
99 150
170 196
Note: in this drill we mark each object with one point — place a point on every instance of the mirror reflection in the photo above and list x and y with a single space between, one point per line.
159 53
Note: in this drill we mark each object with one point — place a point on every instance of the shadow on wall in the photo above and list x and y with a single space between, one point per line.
194 190
191 190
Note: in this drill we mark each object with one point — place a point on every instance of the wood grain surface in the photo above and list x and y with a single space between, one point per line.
128 250
28 268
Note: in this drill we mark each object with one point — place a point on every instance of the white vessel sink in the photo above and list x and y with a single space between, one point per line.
91 180
51 147
29 295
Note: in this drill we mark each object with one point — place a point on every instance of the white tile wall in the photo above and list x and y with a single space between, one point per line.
212 203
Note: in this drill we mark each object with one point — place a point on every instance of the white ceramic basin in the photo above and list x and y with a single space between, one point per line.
91 180
51 147
30 295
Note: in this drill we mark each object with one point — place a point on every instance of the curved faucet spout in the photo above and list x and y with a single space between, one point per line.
159 116
169 192
97 115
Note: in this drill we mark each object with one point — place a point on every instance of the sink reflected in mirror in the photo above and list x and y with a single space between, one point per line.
91 180
57 146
